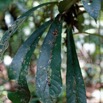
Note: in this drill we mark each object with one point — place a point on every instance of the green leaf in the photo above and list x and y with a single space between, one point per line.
4 42
75 88
93 7
5 39
19 21
22 94
42 75
18 59
65 5
55 66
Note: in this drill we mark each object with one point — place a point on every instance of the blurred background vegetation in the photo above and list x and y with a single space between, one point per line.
88 40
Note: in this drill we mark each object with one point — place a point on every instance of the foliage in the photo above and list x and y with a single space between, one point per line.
74 81
48 76
4 4
92 7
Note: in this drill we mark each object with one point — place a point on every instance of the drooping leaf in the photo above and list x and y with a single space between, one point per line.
19 21
18 59
75 88
22 94
42 77
4 42
5 39
93 7
55 66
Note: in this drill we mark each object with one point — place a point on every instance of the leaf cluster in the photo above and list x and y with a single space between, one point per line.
48 76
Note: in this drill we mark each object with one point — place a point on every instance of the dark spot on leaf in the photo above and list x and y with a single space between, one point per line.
55 32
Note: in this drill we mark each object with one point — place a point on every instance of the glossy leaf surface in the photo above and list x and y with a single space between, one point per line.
75 88
43 82
55 66
93 7
22 94
19 58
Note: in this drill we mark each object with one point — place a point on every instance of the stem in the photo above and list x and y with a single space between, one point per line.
34 8
89 34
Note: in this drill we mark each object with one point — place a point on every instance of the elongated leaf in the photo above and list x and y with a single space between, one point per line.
93 7
4 42
5 39
22 94
74 81
16 64
55 66
42 77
